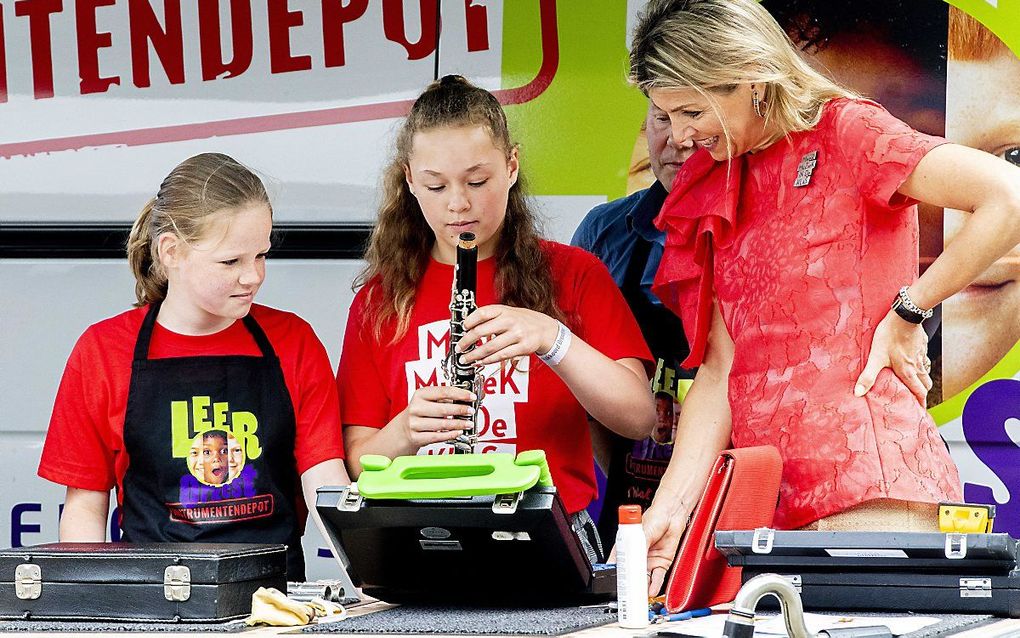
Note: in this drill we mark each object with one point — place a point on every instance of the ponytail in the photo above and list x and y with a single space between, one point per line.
150 280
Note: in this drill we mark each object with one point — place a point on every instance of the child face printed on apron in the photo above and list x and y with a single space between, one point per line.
666 416
215 458
235 457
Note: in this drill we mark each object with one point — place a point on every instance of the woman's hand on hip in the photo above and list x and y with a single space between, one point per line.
433 417
902 346
514 332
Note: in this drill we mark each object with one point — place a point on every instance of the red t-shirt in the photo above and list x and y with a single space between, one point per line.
526 406
802 274
85 440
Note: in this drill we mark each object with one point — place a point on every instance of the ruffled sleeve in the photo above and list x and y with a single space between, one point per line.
698 217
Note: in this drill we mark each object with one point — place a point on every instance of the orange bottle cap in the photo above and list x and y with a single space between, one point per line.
630 514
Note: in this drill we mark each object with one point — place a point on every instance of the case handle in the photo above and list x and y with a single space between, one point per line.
452 475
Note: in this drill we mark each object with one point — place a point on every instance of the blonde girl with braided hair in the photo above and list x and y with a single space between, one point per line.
144 392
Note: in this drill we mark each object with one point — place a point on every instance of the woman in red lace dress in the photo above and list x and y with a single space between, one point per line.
791 232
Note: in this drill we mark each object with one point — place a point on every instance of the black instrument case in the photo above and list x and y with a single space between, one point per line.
885 571
158 582
496 550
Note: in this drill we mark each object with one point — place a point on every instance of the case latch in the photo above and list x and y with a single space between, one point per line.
975 588
28 581
350 499
761 542
506 503
956 546
177 583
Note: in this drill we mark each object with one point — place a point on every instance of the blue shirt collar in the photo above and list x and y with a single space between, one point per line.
641 217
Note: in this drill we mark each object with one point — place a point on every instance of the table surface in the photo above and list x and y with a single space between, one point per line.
1005 628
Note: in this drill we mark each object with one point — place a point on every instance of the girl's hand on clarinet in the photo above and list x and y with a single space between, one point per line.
514 332
433 417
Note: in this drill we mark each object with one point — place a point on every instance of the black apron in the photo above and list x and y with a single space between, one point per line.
636 467
211 448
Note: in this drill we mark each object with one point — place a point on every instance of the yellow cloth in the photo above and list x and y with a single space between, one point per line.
270 606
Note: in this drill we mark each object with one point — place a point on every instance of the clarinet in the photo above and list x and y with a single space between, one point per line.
462 303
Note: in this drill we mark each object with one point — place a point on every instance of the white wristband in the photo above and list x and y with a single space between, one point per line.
559 347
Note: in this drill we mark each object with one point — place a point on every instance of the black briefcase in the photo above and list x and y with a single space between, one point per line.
153 582
885 571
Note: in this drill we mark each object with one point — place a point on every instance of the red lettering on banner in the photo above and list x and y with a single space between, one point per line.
154 34
476 22
281 21
424 383
393 27
334 16
213 64
90 40
490 385
486 449
39 12
167 43
3 59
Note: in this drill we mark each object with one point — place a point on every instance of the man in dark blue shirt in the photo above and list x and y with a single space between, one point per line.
622 234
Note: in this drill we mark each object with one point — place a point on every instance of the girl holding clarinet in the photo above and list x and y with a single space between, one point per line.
554 339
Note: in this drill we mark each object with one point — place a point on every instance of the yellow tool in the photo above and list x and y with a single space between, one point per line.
966 518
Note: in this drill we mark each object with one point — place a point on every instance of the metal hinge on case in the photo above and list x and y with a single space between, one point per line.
761 542
975 588
350 499
177 583
506 503
28 581
956 546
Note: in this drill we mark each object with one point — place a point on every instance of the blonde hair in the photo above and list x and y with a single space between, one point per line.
401 242
194 190
971 41
714 45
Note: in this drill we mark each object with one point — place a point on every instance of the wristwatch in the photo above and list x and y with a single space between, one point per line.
907 309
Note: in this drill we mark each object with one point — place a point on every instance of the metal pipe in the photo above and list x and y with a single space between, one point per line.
740 623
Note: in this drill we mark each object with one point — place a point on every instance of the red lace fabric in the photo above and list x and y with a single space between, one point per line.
802 277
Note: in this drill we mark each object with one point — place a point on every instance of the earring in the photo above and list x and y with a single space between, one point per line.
759 108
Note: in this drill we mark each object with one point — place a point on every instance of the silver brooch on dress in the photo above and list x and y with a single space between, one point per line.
805 169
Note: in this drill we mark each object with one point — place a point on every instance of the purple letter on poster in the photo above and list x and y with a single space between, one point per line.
984 426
